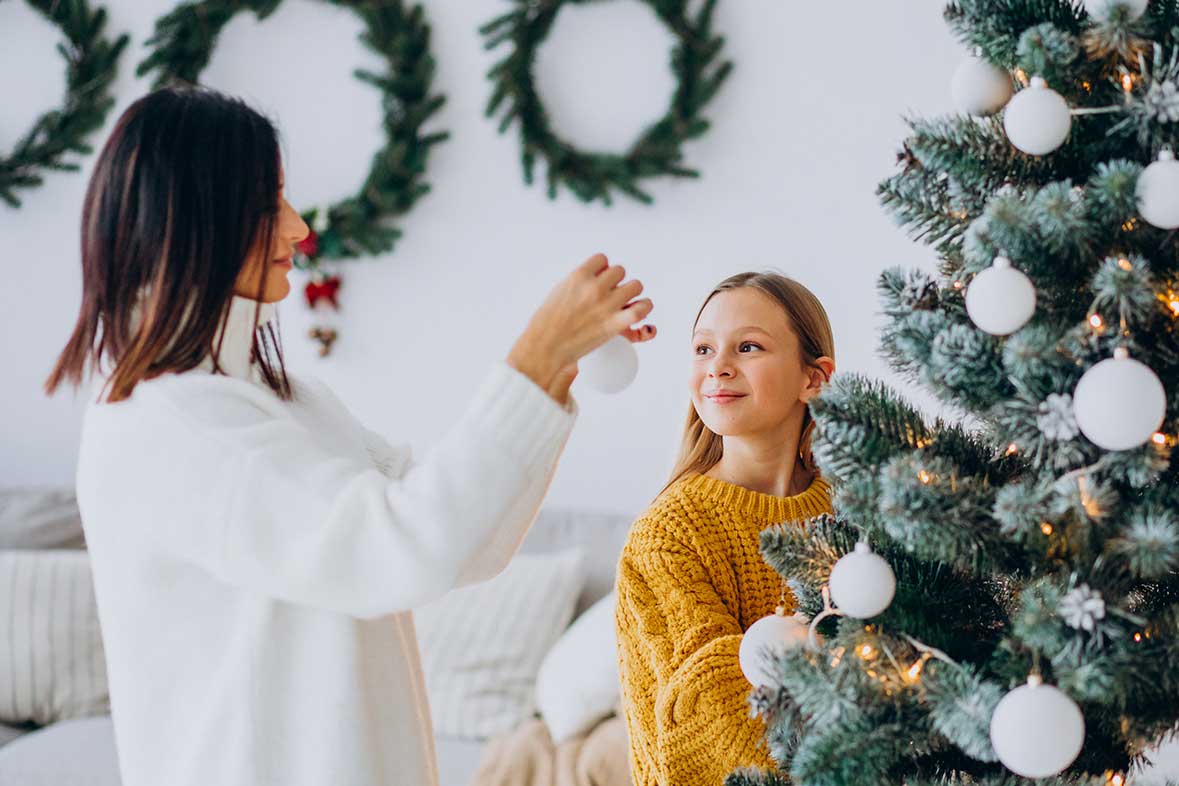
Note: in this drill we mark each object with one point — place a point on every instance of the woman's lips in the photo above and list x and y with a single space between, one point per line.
284 262
723 398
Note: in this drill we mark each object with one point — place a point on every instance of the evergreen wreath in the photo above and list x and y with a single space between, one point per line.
358 225
91 61
592 176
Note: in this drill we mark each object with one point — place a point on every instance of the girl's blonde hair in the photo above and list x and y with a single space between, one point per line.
700 448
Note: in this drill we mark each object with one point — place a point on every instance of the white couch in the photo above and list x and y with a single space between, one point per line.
81 752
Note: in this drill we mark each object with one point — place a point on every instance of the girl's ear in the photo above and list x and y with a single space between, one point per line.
818 375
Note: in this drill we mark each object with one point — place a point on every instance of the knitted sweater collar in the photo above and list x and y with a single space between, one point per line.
814 501
234 343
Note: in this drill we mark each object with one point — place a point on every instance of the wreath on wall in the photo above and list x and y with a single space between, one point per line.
361 224
657 152
91 65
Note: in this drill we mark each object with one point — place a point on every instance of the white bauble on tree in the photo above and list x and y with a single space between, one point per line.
611 367
1158 192
1120 402
980 87
1037 730
862 584
776 633
1101 9
1037 119
1001 299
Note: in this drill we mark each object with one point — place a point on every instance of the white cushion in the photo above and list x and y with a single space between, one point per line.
482 645
73 753
52 657
578 681
32 518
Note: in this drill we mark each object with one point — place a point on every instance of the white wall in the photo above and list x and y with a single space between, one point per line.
806 127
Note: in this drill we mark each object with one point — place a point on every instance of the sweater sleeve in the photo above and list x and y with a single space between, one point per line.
678 645
260 501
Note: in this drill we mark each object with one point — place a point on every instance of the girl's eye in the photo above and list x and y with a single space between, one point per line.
746 344
703 349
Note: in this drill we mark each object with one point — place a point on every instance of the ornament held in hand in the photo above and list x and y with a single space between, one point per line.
1037 730
1037 119
862 583
611 367
770 636
1120 402
979 87
1001 299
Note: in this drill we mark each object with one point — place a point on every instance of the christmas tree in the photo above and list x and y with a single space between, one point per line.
997 596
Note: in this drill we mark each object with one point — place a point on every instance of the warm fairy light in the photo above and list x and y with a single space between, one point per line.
837 656
924 477
1021 75
1137 637
1114 778
1129 224
958 285
1127 82
1096 321
1159 438
1173 303
1012 449
1046 528
866 651
1124 264
914 672
1086 85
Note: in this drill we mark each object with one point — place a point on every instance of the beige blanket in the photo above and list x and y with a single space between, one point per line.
527 756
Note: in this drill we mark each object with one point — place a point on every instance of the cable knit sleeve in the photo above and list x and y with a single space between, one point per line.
683 689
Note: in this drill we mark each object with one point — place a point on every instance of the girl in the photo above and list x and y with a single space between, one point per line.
256 551
691 578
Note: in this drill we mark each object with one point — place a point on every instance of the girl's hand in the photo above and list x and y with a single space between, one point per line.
584 311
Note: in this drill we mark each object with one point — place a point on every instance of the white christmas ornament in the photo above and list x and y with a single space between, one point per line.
1119 403
1000 299
1158 192
862 584
775 634
979 87
1101 9
1037 730
611 367
1037 119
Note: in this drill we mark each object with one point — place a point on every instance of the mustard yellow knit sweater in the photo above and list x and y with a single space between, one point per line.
690 581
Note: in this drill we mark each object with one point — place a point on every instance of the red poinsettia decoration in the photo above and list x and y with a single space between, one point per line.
324 288
308 246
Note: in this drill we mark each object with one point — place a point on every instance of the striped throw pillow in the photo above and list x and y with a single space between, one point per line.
52 665
482 645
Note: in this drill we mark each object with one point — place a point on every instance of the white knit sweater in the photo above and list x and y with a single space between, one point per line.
255 562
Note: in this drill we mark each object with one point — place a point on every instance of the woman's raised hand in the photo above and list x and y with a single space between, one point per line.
592 305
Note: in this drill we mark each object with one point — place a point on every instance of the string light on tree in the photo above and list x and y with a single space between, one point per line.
611 367
862 583
1119 403
1104 9
1001 299
979 87
770 636
1157 192
1037 730
1037 119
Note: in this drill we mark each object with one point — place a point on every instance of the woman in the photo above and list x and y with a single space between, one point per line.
691 579
256 551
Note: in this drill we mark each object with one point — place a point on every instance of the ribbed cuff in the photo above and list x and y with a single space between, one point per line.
515 411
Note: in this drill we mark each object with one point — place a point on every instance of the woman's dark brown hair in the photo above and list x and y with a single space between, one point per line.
184 189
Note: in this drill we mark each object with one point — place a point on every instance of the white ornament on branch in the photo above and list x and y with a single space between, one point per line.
1082 608
1037 119
1120 402
1037 730
770 637
1157 192
1001 299
1103 9
979 87
862 583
